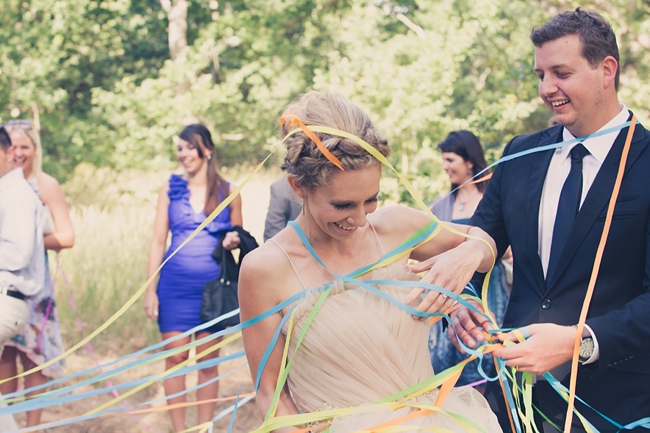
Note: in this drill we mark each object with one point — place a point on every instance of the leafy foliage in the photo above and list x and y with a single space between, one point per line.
98 75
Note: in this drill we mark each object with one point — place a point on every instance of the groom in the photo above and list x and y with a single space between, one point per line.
550 207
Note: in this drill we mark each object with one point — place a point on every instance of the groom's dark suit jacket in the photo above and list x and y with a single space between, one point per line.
618 385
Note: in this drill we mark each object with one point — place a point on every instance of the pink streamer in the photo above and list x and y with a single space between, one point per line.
90 348
477 383
49 304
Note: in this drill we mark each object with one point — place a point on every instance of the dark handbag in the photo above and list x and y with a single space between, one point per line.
220 295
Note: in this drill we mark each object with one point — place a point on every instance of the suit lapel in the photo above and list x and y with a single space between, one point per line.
599 195
537 170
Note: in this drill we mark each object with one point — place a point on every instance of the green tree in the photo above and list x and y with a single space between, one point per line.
110 82
247 63
52 56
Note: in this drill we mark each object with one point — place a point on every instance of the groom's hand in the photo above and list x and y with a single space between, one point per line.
548 346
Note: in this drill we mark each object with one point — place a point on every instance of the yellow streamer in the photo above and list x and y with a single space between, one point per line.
165 373
268 424
142 289
403 180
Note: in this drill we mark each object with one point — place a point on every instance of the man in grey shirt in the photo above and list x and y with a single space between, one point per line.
22 264
283 207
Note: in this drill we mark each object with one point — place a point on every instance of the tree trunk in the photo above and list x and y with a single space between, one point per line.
177 32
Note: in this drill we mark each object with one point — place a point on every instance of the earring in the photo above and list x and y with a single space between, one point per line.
209 156
470 172
304 205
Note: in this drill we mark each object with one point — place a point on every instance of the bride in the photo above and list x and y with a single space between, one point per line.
352 346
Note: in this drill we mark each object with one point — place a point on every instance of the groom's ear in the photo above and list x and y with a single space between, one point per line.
297 188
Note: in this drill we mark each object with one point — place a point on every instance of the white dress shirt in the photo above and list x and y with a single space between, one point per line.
22 264
558 171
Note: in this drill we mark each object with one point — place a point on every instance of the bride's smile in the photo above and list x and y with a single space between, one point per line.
337 210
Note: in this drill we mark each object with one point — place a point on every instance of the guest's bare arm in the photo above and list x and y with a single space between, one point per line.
157 251
52 196
231 239
236 217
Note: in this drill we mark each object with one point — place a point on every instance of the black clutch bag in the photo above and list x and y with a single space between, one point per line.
220 295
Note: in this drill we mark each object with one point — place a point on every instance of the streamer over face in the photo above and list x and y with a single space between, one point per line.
312 167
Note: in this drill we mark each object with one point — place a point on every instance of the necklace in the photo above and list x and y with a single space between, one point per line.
461 206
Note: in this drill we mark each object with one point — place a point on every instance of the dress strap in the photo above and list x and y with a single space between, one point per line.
291 262
377 237
415 239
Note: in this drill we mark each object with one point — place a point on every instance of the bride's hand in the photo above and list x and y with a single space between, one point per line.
452 270
468 326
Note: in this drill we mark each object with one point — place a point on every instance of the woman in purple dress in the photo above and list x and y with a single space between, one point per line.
183 205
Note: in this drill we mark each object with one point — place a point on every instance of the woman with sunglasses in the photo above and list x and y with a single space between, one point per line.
40 340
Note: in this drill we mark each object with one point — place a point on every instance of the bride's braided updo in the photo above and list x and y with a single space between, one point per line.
305 161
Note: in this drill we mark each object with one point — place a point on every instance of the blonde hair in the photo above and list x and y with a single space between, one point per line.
305 161
27 129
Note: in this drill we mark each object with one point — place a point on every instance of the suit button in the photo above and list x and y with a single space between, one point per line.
546 304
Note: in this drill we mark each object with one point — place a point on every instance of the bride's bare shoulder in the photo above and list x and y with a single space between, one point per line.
398 221
263 262
265 279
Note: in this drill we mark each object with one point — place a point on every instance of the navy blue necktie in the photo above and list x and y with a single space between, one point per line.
567 208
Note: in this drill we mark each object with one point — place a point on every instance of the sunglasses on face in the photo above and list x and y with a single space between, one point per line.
22 124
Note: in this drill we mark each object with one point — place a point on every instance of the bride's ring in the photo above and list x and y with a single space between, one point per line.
444 297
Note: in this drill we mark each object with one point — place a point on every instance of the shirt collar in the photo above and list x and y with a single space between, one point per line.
16 173
599 146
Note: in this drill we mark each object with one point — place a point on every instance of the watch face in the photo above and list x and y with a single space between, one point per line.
586 348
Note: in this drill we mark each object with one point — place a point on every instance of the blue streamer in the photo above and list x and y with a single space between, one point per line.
50 400
132 355
536 150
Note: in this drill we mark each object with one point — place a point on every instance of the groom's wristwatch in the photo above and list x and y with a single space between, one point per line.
587 347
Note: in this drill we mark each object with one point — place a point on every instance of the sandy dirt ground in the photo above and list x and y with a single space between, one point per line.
246 418
255 202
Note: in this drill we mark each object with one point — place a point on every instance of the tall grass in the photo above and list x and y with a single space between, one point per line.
105 268
112 215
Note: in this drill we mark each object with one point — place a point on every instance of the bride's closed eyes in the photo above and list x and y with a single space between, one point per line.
349 204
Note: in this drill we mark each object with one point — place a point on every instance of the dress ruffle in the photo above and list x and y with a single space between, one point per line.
180 288
177 188
178 191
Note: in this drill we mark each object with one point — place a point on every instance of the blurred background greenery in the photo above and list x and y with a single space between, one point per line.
110 82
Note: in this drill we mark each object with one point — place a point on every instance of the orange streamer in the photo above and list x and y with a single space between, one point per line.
179 405
475 181
309 133
503 393
401 420
449 384
594 274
